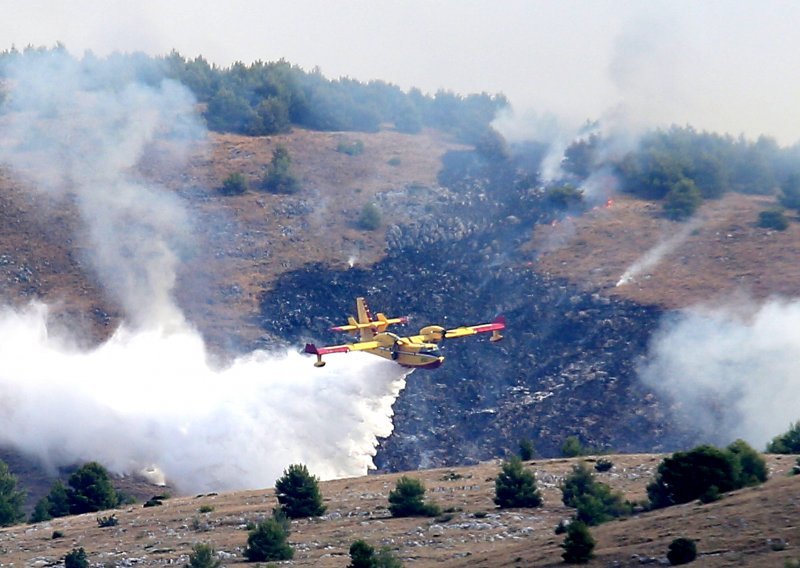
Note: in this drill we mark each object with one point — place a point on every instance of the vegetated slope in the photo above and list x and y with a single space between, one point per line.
750 527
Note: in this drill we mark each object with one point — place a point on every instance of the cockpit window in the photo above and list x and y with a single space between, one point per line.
430 351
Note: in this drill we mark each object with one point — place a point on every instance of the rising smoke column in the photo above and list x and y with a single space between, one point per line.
733 371
148 397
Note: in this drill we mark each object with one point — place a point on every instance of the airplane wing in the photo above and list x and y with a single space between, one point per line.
359 346
498 324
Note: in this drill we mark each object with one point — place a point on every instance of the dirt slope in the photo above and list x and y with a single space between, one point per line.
735 530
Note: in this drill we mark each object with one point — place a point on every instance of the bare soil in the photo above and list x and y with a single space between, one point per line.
750 527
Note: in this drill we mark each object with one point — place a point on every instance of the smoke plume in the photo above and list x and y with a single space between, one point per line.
652 257
148 398
733 372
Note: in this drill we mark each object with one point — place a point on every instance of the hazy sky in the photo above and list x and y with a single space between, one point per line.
730 66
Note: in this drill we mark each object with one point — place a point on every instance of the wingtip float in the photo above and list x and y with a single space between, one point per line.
417 351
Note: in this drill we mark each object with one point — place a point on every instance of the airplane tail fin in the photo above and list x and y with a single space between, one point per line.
364 316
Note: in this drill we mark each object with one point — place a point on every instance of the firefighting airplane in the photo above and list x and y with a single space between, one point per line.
420 351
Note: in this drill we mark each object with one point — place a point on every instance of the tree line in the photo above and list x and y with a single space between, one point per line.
263 98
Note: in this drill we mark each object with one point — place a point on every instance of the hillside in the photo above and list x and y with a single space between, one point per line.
750 527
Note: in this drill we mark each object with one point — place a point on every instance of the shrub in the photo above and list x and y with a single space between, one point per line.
109 521
681 551
525 450
572 447
91 490
682 200
298 493
705 472
267 541
11 499
153 502
594 502
234 184
515 486
57 534
749 467
773 219
394 161
76 558
603 464
370 218
564 197
203 556
279 177
206 509
406 500
362 555
578 544
54 504
786 443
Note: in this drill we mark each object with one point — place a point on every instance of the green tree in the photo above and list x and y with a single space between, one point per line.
407 499
578 544
515 486
234 184
681 551
572 447
790 192
362 555
11 499
594 502
749 467
298 493
268 541
525 450
203 556
370 218
786 443
686 476
682 200
280 177
564 197
90 490
54 504
76 558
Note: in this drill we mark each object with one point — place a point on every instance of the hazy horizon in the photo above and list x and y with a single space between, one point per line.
727 66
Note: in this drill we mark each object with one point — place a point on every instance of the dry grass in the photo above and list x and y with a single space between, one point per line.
734 531
724 254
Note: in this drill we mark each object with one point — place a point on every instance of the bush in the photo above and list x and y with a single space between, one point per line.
681 551
234 184
370 218
362 555
525 450
267 541
578 544
594 502
279 177
749 467
109 521
572 447
11 499
603 464
786 443
298 493
682 200
406 500
704 473
203 556
76 558
54 504
515 486
564 197
773 219
91 490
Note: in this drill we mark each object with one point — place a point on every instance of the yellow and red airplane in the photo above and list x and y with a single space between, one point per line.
420 351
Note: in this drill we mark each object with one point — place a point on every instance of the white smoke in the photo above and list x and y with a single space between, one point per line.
734 372
148 397
653 257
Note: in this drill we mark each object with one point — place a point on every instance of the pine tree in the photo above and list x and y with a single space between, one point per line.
406 499
578 544
11 499
298 493
268 541
515 486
